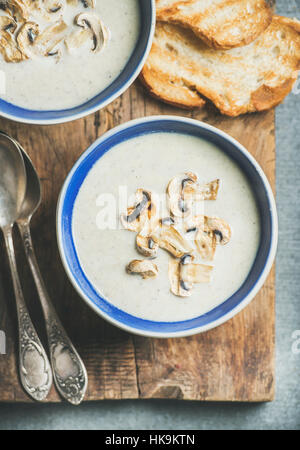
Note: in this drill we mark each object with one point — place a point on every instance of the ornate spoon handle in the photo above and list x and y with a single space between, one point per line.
34 367
68 369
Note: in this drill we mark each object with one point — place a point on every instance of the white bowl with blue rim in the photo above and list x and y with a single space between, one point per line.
116 88
265 202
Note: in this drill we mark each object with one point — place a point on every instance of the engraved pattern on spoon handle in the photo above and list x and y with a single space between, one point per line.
34 366
68 369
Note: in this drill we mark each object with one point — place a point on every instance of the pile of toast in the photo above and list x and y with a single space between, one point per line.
235 53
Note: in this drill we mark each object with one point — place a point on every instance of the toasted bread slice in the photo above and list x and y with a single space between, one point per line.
164 83
245 79
222 24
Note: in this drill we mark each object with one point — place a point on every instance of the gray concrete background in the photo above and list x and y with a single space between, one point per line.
284 412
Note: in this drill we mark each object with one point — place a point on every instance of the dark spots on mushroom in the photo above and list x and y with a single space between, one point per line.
151 243
145 194
186 259
191 230
218 234
9 27
182 205
31 35
85 3
184 182
184 286
3 5
139 208
90 21
135 215
55 9
54 53
168 221
94 42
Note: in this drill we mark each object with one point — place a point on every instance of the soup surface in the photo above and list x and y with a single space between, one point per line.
51 83
149 162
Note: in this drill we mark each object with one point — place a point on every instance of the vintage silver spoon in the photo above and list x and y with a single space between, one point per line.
34 367
69 372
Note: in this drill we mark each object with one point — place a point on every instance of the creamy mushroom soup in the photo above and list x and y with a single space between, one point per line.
61 59
150 162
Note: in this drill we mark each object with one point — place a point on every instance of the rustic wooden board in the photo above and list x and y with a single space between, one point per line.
234 362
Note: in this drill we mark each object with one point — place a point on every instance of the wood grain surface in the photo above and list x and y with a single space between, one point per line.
234 362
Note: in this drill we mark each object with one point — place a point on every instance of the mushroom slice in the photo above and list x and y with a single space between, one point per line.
52 10
137 215
183 275
147 269
147 246
8 24
177 287
49 10
98 31
133 225
196 273
76 39
206 243
50 38
205 239
26 38
145 243
210 232
18 9
171 240
220 228
8 47
208 191
180 191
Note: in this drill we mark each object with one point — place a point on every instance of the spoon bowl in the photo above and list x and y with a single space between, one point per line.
33 195
12 181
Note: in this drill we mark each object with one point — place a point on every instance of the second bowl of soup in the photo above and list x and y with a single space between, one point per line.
61 60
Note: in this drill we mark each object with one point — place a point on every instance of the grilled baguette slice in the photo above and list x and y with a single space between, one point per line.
183 71
222 24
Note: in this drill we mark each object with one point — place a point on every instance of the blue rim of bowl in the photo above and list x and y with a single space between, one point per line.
221 313
104 98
